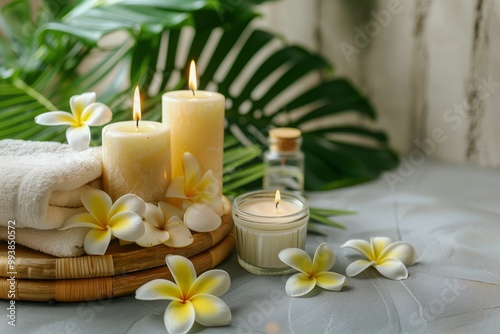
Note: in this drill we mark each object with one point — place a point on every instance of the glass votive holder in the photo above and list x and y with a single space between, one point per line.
265 225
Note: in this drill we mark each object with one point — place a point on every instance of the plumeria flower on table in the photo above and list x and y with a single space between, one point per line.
388 258
192 298
193 187
85 112
122 219
313 272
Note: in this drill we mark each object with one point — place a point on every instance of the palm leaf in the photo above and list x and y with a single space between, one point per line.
253 68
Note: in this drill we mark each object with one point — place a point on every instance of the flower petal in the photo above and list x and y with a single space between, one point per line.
170 211
78 137
98 204
217 205
297 259
55 118
152 236
210 310
96 241
192 171
180 235
80 220
379 244
154 216
299 284
330 281
358 266
201 218
362 246
393 269
182 271
208 185
127 225
96 114
179 317
402 251
79 102
158 289
324 258
214 282
128 202
176 188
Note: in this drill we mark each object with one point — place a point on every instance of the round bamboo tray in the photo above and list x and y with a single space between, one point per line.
118 260
87 289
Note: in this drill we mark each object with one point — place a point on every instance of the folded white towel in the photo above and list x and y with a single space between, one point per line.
32 172
67 243
72 198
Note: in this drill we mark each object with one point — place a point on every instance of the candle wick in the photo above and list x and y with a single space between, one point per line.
137 125
193 92
277 203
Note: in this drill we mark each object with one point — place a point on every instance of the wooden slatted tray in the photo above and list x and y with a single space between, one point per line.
86 289
118 260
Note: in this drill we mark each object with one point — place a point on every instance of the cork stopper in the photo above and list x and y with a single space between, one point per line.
285 139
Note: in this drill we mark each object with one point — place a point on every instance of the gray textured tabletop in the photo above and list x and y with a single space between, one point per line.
449 213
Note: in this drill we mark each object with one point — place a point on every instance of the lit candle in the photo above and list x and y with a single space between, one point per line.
265 227
136 157
196 122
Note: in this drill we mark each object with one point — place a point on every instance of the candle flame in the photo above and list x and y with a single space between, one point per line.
193 85
277 198
137 106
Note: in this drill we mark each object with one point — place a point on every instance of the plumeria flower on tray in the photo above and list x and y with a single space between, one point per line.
85 112
169 225
193 187
388 258
163 226
122 220
313 272
192 298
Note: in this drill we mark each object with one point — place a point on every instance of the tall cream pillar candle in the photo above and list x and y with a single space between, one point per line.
136 158
196 122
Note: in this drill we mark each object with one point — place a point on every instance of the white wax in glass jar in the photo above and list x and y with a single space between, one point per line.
263 230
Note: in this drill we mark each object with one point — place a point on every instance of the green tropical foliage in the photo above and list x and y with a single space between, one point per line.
61 48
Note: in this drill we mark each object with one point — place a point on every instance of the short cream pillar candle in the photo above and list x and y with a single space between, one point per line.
266 224
136 158
196 122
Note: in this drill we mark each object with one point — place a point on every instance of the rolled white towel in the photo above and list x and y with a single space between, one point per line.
32 172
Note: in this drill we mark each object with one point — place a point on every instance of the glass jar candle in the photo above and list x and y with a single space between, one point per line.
267 222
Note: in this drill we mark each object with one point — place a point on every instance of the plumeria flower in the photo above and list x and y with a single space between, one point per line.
122 220
193 299
313 272
163 226
192 187
85 112
390 259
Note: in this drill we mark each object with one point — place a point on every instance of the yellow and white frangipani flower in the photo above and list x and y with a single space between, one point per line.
163 226
192 298
389 258
85 112
313 272
122 220
192 187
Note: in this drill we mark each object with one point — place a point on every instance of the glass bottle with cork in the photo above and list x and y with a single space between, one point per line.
284 161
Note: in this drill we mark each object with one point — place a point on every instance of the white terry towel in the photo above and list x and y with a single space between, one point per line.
67 243
36 178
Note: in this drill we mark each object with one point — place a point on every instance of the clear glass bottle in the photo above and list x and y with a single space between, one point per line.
284 161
